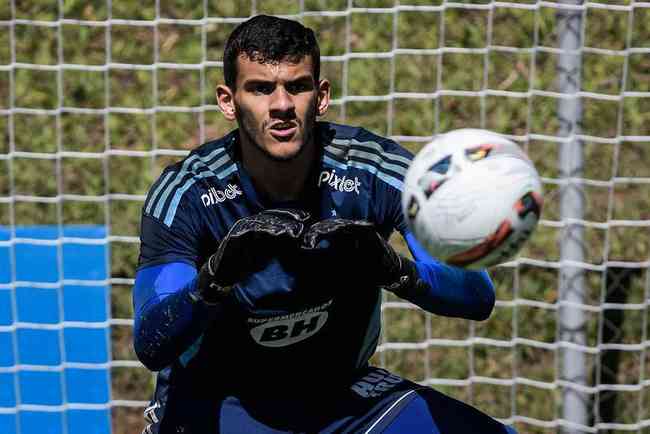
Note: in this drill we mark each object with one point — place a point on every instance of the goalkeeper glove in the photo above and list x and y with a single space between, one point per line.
249 246
356 242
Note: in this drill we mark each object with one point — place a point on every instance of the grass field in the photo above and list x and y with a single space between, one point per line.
122 152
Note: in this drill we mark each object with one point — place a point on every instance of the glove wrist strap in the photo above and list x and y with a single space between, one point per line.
208 290
409 283
212 296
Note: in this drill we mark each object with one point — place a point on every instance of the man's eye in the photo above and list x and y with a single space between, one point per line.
299 87
263 88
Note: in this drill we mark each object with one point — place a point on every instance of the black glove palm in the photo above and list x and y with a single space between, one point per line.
370 257
249 245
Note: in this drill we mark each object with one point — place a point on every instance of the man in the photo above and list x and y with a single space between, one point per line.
263 256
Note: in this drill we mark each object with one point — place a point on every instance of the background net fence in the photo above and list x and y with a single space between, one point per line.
96 97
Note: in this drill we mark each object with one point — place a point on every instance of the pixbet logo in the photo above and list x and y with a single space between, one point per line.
340 183
214 196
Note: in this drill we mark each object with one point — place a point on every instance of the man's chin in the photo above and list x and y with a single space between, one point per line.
283 151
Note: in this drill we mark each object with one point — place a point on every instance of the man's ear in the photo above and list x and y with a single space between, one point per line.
226 102
323 97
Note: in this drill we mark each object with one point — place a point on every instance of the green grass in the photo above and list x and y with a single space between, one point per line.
414 72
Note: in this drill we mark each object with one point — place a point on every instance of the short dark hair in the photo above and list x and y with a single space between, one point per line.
268 39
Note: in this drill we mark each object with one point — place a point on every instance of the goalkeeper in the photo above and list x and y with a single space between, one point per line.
258 291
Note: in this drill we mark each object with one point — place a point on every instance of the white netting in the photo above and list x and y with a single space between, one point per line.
96 97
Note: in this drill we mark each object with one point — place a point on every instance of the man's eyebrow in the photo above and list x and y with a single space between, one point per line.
250 81
302 78
306 77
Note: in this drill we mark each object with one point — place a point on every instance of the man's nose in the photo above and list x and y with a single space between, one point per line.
282 101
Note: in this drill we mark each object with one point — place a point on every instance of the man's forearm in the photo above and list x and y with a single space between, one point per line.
454 292
169 317
450 291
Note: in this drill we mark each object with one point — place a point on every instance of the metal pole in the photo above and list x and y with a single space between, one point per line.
572 317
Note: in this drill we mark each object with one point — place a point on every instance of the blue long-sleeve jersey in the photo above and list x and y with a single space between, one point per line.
283 329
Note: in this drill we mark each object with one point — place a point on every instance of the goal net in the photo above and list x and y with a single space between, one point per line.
96 97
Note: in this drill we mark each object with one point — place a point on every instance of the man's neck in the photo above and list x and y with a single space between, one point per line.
279 181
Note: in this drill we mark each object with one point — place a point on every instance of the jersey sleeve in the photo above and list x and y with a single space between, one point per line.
170 227
167 318
453 292
389 184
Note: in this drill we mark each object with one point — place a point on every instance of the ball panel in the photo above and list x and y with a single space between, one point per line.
475 254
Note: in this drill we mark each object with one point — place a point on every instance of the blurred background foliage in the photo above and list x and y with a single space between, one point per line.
408 107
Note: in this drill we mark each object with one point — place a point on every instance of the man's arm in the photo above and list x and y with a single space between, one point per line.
450 291
433 286
169 316
174 304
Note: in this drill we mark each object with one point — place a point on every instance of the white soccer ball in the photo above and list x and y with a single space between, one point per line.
472 198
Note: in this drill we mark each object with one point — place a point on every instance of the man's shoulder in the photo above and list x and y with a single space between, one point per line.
212 159
369 154
349 137
207 156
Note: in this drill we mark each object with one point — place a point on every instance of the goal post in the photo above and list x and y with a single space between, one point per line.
96 97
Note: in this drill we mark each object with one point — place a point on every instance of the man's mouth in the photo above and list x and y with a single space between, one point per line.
283 130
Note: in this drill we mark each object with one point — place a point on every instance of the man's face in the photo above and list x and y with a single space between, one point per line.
275 105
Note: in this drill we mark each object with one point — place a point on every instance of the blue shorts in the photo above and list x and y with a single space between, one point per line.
378 402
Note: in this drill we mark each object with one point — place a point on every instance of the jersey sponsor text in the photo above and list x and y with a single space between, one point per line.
339 183
214 196
289 329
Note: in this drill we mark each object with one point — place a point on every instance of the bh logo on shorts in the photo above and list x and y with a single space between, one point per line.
214 196
281 331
